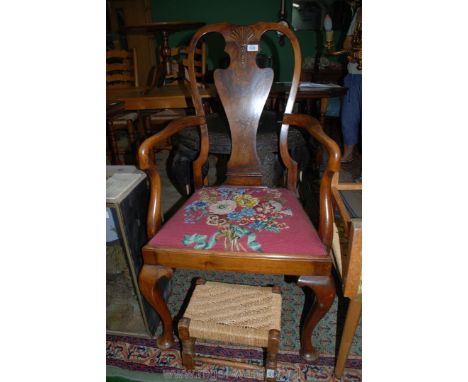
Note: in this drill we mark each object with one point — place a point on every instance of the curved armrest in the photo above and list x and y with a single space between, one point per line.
147 163
313 127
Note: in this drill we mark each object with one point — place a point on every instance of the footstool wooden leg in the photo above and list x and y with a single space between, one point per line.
188 344
272 355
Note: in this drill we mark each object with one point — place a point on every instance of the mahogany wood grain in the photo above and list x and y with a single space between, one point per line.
324 290
148 281
147 163
262 263
313 127
243 88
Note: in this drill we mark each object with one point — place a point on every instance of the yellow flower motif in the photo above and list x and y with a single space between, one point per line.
246 200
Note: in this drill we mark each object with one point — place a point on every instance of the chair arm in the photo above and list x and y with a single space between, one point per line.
147 163
313 127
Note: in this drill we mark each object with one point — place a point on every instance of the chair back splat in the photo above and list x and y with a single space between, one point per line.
245 226
243 89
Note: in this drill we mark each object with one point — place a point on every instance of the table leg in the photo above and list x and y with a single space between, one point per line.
162 68
148 282
324 289
323 110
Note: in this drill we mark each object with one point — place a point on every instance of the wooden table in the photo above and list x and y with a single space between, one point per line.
164 28
166 97
322 92
179 96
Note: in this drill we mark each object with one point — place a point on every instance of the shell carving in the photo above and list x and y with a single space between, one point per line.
242 36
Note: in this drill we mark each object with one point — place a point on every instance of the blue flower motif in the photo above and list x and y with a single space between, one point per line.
200 204
258 225
238 191
247 212
234 215
224 189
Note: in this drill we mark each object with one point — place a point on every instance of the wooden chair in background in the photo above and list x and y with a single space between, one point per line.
179 65
242 226
121 73
177 75
347 251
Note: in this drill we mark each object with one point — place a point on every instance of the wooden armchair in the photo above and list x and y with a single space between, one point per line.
242 226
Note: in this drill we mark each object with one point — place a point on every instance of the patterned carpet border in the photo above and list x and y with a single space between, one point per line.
141 354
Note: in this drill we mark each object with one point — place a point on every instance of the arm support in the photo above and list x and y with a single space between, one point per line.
313 127
147 163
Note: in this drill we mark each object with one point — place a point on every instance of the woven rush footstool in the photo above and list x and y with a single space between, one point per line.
234 314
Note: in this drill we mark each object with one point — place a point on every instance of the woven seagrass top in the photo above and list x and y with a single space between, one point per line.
239 314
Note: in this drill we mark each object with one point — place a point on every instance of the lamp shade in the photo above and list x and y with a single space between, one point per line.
327 23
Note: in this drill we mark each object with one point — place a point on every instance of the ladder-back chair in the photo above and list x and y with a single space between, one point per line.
121 73
178 63
242 226
176 75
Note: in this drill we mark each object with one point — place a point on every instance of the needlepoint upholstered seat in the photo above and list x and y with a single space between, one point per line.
242 226
241 219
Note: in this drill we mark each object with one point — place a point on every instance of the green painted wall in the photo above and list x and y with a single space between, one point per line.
237 12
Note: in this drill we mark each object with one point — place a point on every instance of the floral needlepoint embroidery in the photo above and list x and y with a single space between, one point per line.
223 207
246 200
239 217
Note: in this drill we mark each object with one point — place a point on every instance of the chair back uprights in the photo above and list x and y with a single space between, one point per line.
243 89
243 226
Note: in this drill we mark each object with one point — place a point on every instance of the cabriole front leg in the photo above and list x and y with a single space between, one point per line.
148 282
323 287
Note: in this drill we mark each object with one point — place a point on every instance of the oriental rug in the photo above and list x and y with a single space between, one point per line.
141 355
143 358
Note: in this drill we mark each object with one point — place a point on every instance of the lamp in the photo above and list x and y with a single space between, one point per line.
328 26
